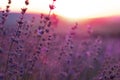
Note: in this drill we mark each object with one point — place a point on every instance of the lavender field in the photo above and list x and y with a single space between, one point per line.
33 48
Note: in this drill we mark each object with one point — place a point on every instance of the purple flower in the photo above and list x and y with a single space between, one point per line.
20 22
9 1
7 6
51 7
23 10
47 18
26 2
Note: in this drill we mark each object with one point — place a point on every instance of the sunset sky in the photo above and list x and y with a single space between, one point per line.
69 8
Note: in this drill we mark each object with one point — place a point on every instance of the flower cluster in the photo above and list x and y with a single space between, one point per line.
34 50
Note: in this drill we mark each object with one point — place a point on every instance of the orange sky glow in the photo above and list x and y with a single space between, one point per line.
74 9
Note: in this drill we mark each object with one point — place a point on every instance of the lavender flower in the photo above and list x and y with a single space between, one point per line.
9 1
27 2
23 10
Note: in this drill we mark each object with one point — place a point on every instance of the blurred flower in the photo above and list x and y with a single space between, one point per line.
49 24
7 6
41 16
7 10
3 12
20 22
26 2
51 7
47 31
23 10
9 1
47 18
74 27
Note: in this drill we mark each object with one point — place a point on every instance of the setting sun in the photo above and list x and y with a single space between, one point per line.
87 8
77 9
59 39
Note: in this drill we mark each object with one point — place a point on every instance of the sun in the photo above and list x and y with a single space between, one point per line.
71 9
75 9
